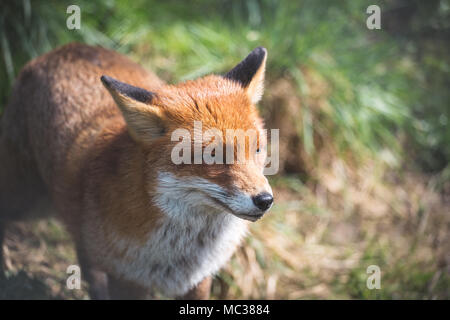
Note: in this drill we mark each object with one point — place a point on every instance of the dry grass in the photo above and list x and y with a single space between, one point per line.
320 239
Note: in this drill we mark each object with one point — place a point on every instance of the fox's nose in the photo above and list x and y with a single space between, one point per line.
263 200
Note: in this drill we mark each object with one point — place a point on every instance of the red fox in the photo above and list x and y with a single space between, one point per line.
88 133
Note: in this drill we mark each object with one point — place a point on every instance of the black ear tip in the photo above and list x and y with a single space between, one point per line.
133 92
247 68
106 80
260 52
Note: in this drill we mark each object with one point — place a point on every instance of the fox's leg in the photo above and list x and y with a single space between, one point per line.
123 290
103 286
201 291
96 279
98 284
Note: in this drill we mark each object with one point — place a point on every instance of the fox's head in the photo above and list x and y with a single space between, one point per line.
186 133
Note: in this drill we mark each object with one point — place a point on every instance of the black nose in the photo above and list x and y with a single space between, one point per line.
263 200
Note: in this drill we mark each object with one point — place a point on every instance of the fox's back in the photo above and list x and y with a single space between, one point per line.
58 103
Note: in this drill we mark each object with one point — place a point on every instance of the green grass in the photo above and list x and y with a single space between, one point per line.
405 279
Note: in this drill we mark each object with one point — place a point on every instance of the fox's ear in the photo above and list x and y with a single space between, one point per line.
250 73
144 120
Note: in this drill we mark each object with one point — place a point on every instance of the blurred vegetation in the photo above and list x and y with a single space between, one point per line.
336 89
